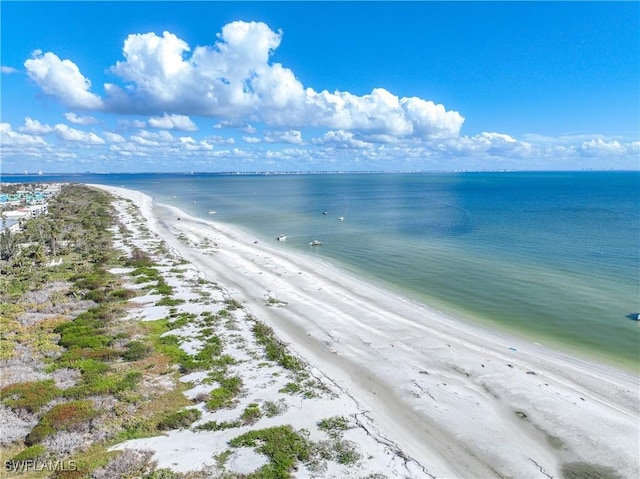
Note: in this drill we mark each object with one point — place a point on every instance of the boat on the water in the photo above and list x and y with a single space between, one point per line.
315 243
282 238
211 212
340 218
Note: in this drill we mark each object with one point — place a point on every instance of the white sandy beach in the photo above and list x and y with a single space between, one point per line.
459 400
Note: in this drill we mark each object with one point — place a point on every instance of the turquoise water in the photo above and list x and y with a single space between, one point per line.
552 256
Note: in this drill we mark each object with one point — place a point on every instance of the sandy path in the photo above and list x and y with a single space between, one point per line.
461 400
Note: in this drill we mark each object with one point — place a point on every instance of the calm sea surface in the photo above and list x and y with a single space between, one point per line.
551 256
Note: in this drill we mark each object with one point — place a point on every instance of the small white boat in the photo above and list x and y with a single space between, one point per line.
212 212
325 213
315 243
282 238
340 218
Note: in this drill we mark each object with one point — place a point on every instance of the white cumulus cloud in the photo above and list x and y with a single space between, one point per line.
342 139
63 80
235 80
113 137
80 120
34 127
67 133
487 145
173 122
9 137
599 147
289 136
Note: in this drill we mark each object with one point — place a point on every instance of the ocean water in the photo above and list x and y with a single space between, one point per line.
554 257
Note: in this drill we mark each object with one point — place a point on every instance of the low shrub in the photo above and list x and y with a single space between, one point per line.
225 394
145 274
136 350
71 416
282 445
130 381
163 288
30 396
179 320
31 453
334 425
218 426
275 349
179 420
232 305
345 451
106 382
291 388
96 295
272 409
122 294
168 301
251 414
139 259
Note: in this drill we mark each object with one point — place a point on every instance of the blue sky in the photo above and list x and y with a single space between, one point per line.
308 86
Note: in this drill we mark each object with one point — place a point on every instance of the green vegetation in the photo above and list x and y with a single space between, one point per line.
224 396
336 448
71 416
282 445
31 453
218 426
76 230
272 409
334 425
583 470
179 320
291 388
205 359
275 349
78 335
179 419
233 305
117 379
251 413
30 396
136 350
138 259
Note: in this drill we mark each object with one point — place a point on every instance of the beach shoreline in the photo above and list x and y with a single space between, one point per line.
461 400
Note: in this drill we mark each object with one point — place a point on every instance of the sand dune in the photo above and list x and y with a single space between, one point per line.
460 400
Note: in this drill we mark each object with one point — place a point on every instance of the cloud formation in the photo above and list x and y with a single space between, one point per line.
9 137
63 80
34 127
67 133
234 80
173 122
66 147
290 136
80 120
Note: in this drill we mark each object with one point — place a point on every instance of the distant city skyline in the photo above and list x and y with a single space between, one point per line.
319 86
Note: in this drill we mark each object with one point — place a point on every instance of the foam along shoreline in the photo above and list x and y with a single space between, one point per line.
460 400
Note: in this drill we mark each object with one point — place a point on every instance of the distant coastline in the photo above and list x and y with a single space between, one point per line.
39 177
